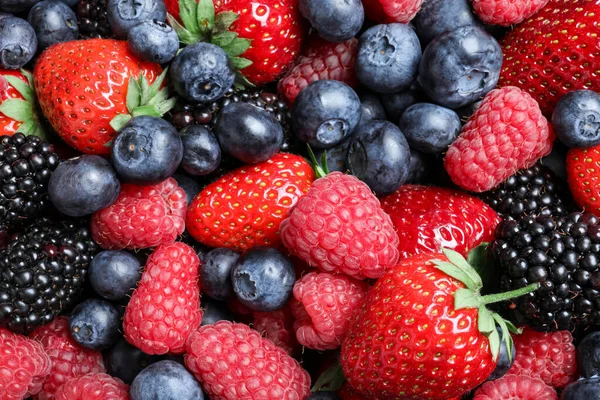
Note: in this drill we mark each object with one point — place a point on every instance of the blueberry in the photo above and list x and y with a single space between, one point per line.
123 15
335 156
215 274
504 363
18 43
438 16
430 128
153 41
53 22
95 324
588 389
248 133
379 155
165 380
323 396
263 279
83 185
576 119
125 361
556 162
190 186
396 103
215 311
388 57
201 151
335 20
146 151
14 6
460 66
370 108
588 355
419 169
71 3
114 274
325 113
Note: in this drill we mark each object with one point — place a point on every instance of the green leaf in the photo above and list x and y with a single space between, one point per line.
17 109
465 298
158 82
512 328
494 339
28 75
119 121
145 89
455 272
458 260
224 20
22 87
240 63
185 36
506 338
161 96
223 39
188 12
241 82
331 379
133 94
206 16
485 320
145 110
165 106
237 47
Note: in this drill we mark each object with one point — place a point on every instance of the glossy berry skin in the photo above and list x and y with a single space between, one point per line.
582 177
324 229
507 132
114 274
24 366
335 156
325 113
379 155
13 6
371 108
166 380
125 362
583 389
263 194
576 119
388 57
123 15
386 11
504 363
438 16
248 133
420 168
142 217
516 387
215 274
146 151
93 387
201 150
506 13
83 185
414 300
335 21
588 355
278 327
460 66
217 354
396 103
95 324
428 219
18 42
53 22
430 128
153 41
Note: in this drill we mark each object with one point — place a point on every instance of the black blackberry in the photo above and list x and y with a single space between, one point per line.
92 19
26 163
560 253
42 271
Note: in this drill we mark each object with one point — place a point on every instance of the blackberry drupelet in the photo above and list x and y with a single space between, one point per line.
560 253
92 19
42 272
26 163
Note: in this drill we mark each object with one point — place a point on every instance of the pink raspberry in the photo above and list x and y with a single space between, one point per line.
278 327
142 217
515 388
506 12
93 387
323 306
165 307
507 132
23 366
386 11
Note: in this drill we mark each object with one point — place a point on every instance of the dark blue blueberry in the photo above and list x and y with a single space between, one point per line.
430 128
191 187
388 57
125 361
153 41
95 324
396 103
335 20
263 279
588 355
460 66
214 311
202 72
146 151
83 185
325 113
18 42
420 167
379 155
114 274
556 161
215 274
576 119
335 156
201 151
588 389
248 133
123 15
504 363
14 6
323 396
370 108
53 22
165 380
438 16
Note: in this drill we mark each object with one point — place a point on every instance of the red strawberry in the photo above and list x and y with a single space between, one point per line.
424 331
278 327
93 387
18 111
244 208
554 52
428 219
506 12
515 388
583 172
165 307
386 11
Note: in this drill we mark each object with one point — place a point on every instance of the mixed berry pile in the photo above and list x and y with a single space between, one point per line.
299 200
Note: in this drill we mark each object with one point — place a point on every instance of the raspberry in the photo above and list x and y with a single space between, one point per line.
165 307
323 306
550 357
506 12
507 132
23 366
278 327
515 388
339 227
142 217
69 360
93 387
233 362
386 11
320 60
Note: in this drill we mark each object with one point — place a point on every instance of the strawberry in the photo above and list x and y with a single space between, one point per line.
18 104
554 52
245 207
424 332
583 173
89 89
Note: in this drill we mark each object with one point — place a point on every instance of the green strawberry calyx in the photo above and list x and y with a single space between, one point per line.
200 24
319 167
331 380
23 110
470 297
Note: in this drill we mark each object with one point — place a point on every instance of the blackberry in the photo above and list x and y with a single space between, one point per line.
560 253
26 163
92 19
42 272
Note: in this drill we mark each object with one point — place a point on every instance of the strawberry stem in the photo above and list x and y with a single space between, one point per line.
498 297
320 168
